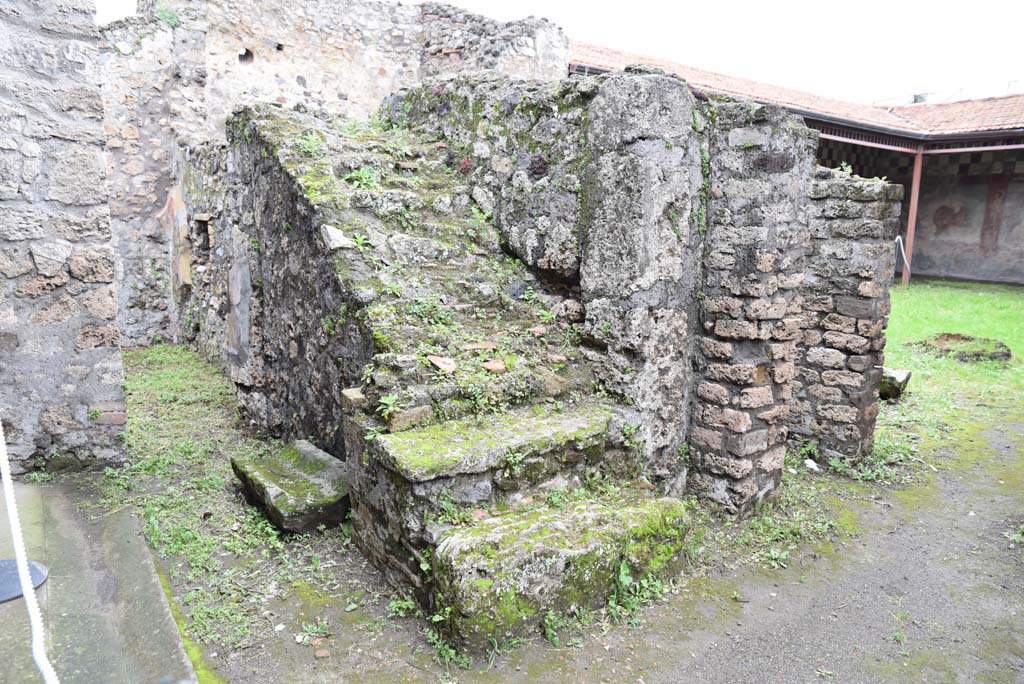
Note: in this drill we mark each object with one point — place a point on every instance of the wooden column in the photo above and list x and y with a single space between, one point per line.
915 192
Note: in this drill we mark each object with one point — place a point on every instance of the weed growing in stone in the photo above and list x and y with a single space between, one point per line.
444 652
389 404
365 178
311 144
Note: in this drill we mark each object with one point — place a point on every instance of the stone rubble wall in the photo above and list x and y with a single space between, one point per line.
61 399
172 77
758 169
641 251
152 78
695 239
615 157
853 223
457 41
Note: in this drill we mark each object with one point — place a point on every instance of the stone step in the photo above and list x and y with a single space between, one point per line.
300 486
475 445
412 487
498 578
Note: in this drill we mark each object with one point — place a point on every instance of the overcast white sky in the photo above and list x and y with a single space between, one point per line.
879 51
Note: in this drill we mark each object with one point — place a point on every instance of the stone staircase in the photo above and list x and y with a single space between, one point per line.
488 471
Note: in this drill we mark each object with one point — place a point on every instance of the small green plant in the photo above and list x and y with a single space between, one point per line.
40 477
514 461
845 168
168 15
507 646
362 241
546 316
366 178
683 453
552 623
557 499
402 607
631 594
313 630
444 652
777 558
389 404
254 243
451 512
478 221
311 144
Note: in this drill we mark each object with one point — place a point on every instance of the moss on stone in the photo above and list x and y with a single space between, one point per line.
474 445
501 573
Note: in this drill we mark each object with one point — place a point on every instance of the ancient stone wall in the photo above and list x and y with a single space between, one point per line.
172 75
687 244
153 77
616 157
457 41
845 294
61 399
758 169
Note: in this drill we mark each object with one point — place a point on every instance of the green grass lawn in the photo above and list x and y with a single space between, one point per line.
929 307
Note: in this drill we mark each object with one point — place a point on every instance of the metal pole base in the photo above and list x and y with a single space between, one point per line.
10 586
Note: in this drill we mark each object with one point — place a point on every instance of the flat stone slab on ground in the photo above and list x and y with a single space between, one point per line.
300 486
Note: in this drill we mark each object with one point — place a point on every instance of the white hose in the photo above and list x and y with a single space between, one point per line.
899 243
34 617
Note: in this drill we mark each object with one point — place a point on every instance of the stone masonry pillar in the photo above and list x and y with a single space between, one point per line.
757 170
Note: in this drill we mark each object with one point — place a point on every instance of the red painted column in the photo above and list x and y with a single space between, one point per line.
915 192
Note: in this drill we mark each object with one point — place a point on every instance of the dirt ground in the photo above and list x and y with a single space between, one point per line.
928 589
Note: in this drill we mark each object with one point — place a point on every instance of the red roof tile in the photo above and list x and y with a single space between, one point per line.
968 116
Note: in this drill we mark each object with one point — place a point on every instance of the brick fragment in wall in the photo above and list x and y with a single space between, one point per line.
771 460
723 464
741 330
705 438
744 490
784 351
742 445
755 397
825 393
826 357
859 364
838 378
713 392
847 342
838 412
837 322
731 419
763 309
715 349
738 374
783 372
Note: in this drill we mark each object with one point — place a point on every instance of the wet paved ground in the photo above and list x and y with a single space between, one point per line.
106 617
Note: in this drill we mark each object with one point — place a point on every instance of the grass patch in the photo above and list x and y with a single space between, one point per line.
224 560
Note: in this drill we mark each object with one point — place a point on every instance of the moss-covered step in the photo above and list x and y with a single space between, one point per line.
481 444
498 578
300 486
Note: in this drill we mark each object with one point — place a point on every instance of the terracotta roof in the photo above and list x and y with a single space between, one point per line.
968 116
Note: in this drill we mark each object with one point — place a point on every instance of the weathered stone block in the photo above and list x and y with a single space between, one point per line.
300 486
500 576
894 382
